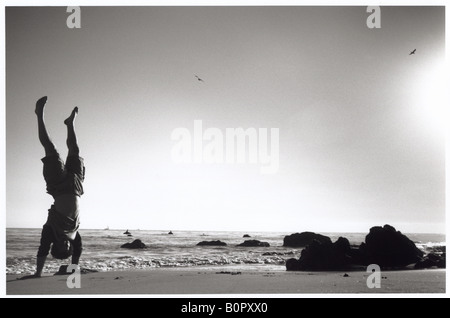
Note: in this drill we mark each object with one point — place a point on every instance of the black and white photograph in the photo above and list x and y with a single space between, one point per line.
235 150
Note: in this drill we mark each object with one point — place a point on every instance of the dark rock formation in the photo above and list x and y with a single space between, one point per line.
211 243
387 247
304 239
254 243
358 255
134 245
431 260
292 264
246 235
384 246
323 256
441 262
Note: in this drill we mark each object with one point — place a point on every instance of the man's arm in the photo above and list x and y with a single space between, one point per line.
77 249
39 267
44 248
40 262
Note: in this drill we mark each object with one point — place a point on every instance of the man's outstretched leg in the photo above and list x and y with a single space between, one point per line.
71 136
48 145
74 163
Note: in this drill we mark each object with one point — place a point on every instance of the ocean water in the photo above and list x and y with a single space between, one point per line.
102 252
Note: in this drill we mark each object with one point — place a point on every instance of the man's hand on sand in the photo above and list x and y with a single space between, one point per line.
29 277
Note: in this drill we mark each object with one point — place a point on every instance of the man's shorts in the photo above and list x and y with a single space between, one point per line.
64 178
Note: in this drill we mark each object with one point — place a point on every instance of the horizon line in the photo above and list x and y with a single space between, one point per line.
241 231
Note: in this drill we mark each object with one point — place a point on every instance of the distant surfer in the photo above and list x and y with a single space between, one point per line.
64 183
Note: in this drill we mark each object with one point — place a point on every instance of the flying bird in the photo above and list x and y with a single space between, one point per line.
199 79
413 52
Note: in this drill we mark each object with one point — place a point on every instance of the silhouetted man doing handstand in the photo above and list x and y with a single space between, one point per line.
65 184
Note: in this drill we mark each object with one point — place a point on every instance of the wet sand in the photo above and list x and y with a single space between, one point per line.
222 282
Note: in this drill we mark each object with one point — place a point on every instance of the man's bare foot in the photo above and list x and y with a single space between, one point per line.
71 119
40 104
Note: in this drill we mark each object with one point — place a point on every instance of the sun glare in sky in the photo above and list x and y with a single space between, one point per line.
431 96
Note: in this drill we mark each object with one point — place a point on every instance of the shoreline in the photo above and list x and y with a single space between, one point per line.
225 281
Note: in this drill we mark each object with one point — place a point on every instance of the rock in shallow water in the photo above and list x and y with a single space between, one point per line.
304 239
254 243
136 244
211 243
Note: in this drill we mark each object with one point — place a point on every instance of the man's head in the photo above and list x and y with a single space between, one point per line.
61 249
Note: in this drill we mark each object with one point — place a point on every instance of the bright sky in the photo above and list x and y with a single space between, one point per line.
358 117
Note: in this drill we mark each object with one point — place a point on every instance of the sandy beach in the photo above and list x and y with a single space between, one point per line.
228 282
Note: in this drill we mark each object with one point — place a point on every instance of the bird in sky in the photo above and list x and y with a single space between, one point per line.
199 79
413 52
